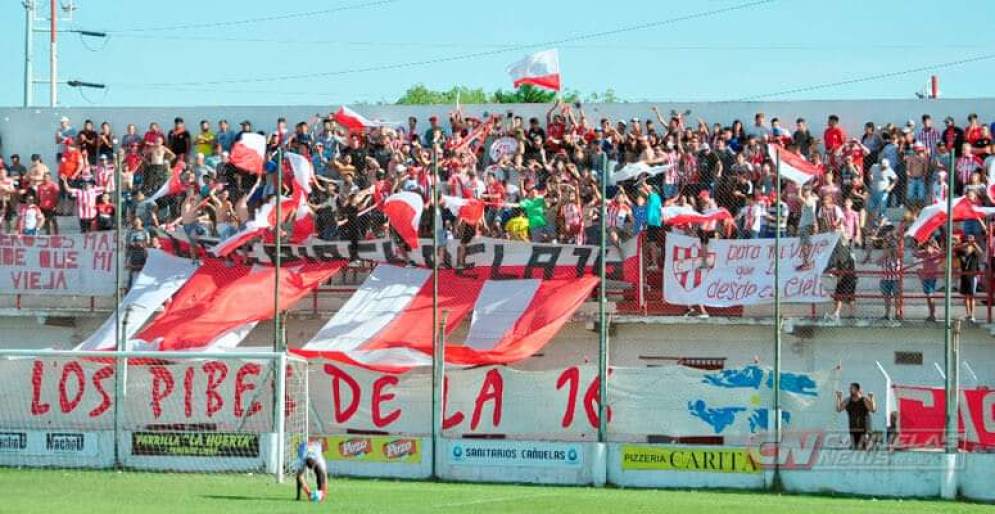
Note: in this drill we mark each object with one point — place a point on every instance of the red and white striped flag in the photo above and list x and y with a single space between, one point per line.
172 187
469 210
261 224
794 167
681 215
387 324
403 210
249 153
934 216
541 69
352 120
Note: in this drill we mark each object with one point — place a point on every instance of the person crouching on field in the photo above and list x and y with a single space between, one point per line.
310 458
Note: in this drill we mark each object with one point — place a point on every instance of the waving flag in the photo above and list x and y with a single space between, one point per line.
172 187
403 210
793 166
681 215
633 170
934 216
352 120
263 222
301 169
541 69
249 153
221 303
162 275
469 210
387 324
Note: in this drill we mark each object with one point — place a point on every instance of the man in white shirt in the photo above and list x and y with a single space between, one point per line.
883 180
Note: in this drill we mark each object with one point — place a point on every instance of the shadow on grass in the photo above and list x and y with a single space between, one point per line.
239 497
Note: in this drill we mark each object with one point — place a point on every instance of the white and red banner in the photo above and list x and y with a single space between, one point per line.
249 152
635 170
793 166
496 259
217 305
162 275
172 187
469 210
76 264
562 403
922 417
741 271
387 323
226 395
541 69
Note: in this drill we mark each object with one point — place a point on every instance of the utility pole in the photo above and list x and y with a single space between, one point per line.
29 21
53 59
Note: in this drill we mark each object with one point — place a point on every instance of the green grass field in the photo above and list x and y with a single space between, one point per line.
28 491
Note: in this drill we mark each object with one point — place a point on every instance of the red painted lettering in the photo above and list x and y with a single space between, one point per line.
241 386
98 382
491 390
216 374
570 376
162 387
339 376
457 416
188 392
73 368
37 407
379 396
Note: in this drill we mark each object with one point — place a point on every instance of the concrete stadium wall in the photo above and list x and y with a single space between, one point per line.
32 130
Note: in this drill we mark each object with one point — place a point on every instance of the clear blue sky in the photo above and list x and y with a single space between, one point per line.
778 46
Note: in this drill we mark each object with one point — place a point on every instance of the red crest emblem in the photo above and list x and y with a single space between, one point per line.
687 268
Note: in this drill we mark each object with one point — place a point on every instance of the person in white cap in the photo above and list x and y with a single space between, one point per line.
64 133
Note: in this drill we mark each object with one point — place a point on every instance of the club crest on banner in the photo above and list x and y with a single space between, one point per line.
687 266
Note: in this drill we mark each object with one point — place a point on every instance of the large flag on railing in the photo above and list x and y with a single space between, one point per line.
249 153
221 303
162 275
403 210
793 166
541 69
387 324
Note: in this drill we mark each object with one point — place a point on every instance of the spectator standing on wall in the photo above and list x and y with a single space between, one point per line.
178 140
131 137
802 137
858 412
225 136
64 133
87 140
205 140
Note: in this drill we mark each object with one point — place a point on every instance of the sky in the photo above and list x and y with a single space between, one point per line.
249 52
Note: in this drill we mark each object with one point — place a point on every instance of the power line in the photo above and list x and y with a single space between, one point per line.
870 78
248 21
474 55
618 46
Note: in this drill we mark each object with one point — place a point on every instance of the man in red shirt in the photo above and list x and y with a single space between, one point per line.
834 136
48 201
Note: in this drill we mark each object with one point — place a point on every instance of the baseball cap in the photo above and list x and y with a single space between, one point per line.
63 119
705 146
704 194
918 146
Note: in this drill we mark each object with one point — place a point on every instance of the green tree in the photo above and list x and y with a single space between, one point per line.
421 95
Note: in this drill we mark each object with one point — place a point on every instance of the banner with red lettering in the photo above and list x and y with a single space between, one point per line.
236 396
227 395
734 272
76 264
673 401
922 417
